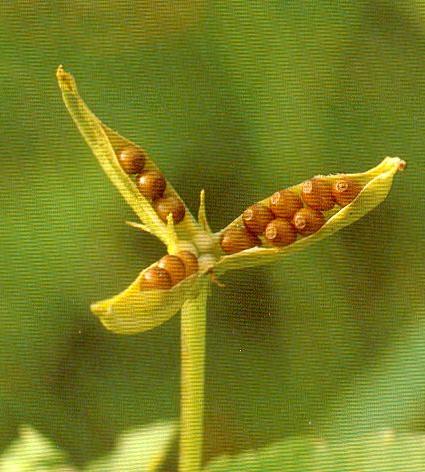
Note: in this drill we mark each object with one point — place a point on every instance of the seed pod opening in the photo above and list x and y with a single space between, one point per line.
166 205
256 218
317 194
280 232
155 278
238 239
175 268
345 191
285 203
151 184
308 221
132 159
190 262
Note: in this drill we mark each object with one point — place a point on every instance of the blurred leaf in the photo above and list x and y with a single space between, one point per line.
381 452
142 449
31 452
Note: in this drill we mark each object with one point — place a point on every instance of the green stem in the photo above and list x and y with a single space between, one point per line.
193 323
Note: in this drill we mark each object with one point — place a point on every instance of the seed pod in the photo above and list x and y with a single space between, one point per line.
285 203
308 221
317 194
155 278
238 239
151 184
166 205
256 218
190 262
175 268
280 232
132 159
345 191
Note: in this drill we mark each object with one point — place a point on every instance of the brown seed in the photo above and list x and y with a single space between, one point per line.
155 278
151 184
256 218
317 194
238 239
345 191
175 268
190 262
285 203
166 205
308 221
280 232
132 159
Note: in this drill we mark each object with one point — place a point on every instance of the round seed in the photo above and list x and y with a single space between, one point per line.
155 278
175 268
166 205
132 159
190 262
285 203
317 194
256 218
345 191
238 239
151 184
280 232
308 221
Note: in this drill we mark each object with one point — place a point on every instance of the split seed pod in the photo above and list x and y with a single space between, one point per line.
175 268
190 262
155 278
132 159
238 239
285 203
308 221
151 184
257 217
280 232
344 191
166 205
317 194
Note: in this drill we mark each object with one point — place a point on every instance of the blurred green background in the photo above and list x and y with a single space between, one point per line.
240 98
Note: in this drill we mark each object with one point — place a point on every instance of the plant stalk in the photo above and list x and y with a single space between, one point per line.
193 322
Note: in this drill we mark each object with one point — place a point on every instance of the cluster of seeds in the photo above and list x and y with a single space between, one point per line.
169 271
287 214
151 184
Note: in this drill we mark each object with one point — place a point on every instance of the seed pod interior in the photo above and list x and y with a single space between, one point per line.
256 218
155 278
238 239
317 194
174 266
345 190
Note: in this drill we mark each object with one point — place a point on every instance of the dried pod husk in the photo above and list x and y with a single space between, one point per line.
174 266
166 205
132 159
307 221
238 239
151 184
256 218
190 262
280 232
155 278
317 194
285 203
345 190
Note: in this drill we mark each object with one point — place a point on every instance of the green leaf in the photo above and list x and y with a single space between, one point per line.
141 449
376 184
134 311
105 144
31 452
379 452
